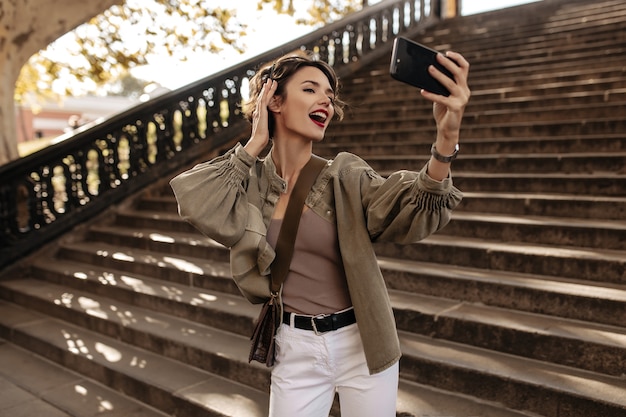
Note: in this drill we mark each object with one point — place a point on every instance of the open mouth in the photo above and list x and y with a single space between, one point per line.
319 117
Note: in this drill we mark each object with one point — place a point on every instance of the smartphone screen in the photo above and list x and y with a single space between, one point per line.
409 64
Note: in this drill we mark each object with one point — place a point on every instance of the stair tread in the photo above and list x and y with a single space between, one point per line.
217 269
540 221
62 393
577 382
599 335
486 157
170 236
526 248
155 215
479 194
137 282
582 382
412 397
545 196
510 319
591 138
226 344
195 334
604 291
421 400
434 306
176 378
195 266
152 287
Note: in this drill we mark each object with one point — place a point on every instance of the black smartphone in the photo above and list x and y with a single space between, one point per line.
409 64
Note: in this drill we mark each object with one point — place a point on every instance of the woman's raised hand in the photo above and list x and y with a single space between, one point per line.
260 135
448 111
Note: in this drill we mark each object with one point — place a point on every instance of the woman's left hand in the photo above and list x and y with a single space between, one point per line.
448 111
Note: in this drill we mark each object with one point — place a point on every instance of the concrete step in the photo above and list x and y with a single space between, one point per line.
531 32
593 347
532 163
522 384
170 386
581 143
519 204
600 185
586 264
33 386
543 230
562 100
222 311
406 118
422 400
561 298
548 18
201 273
219 350
522 110
557 107
161 333
554 82
194 389
158 238
427 131
550 79
555 205
423 314
541 75
164 202
551 295
472 146
155 220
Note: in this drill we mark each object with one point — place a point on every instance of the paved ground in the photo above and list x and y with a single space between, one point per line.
34 387
17 402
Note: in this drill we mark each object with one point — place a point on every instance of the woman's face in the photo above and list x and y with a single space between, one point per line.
306 108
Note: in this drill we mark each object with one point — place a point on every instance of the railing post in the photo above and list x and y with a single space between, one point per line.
435 8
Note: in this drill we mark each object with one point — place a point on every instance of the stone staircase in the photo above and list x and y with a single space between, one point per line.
516 308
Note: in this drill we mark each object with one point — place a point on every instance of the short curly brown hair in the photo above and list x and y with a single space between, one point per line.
281 70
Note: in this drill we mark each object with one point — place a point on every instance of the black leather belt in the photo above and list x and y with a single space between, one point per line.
321 323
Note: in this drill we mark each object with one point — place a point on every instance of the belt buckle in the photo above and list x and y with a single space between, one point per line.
319 316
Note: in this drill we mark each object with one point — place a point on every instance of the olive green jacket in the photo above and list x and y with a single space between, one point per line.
220 199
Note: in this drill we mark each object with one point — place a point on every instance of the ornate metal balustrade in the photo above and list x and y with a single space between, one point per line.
53 190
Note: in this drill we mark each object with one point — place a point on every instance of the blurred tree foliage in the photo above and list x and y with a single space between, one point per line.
105 48
319 12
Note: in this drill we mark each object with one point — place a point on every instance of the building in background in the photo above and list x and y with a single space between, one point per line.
54 119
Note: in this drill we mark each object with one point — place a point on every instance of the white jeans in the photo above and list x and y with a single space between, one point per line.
310 369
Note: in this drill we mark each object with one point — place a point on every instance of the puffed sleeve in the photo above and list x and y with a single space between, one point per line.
407 206
212 195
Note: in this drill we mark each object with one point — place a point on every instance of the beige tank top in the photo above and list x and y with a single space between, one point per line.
316 282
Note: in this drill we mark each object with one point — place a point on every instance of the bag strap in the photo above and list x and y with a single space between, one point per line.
289 228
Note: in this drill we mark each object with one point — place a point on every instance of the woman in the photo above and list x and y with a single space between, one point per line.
338 332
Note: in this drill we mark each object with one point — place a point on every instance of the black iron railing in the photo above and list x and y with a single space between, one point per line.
47 193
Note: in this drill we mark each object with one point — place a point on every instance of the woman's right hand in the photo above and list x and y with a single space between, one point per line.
260 136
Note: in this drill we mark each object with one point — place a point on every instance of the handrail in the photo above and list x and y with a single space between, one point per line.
50 191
